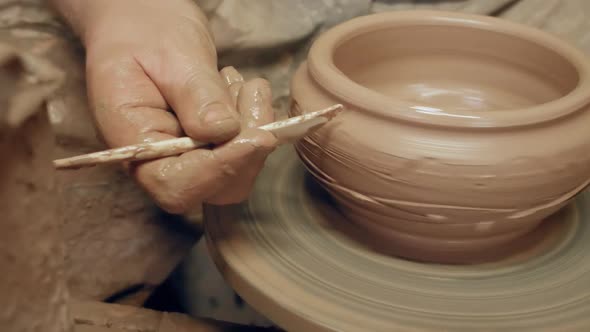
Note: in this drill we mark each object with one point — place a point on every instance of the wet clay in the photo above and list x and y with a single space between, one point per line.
462 133
32 281
98 316
292 255
110 223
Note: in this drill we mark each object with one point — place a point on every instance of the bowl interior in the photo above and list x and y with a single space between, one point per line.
460 68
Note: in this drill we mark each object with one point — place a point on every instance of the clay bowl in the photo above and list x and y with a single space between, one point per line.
461 134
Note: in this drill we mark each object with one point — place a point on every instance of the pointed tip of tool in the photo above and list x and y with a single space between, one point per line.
330 112
297 127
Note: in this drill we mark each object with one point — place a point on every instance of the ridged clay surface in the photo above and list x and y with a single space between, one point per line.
461 132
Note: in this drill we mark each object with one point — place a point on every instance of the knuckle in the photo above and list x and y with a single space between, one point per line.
197 74
201 87
192 76
223 165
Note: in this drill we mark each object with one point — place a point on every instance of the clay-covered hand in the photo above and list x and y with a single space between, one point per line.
152 75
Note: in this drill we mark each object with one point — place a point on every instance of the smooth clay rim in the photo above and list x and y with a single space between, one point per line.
323 70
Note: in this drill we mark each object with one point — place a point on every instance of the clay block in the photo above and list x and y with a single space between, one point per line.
87 328
116 239
484 7
566 19
98 317
32 281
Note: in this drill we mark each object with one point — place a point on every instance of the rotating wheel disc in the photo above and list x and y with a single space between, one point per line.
294 257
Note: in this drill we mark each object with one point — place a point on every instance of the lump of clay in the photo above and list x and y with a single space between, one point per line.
109 224
271 24
31 248
465 6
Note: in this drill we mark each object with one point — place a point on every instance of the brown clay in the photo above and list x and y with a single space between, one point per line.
462 132
291 254
110 223
98 316
32 278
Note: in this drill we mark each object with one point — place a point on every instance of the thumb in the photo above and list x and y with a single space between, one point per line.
194 89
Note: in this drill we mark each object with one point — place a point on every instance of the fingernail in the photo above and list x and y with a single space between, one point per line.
231 75
215 114
220 121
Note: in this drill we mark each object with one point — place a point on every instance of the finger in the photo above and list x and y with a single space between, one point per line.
128 108
187 77
255 106
178 183
245 171
241 184
255 103
234 81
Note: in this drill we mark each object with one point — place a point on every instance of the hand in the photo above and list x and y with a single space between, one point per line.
152 75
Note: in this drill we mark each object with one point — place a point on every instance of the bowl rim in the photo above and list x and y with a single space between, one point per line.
323 70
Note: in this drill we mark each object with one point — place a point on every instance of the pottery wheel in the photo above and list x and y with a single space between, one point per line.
295 259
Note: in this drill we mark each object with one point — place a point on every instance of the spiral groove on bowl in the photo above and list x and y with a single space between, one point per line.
440 153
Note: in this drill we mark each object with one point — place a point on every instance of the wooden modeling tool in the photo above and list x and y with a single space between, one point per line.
285 131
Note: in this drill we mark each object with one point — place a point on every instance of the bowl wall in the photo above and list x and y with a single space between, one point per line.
455 68
456 185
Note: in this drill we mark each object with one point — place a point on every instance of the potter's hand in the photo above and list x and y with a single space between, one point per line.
152 75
